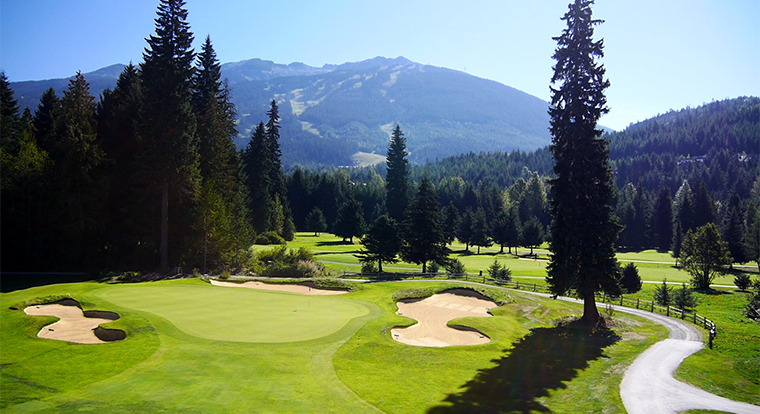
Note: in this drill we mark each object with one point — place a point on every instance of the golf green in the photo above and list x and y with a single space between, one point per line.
239 315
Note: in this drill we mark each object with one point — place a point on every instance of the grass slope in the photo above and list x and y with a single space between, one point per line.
168 365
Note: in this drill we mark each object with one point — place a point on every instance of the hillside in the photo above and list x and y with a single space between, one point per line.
331 113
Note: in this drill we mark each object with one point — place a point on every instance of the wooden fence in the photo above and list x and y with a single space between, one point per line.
646 305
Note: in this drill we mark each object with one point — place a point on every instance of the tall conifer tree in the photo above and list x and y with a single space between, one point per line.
397 179
168 125
424 239
584 229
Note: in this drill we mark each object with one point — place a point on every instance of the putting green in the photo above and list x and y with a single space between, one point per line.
239 315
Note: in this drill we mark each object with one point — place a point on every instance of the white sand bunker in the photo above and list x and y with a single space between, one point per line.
73 326
303 289
435 312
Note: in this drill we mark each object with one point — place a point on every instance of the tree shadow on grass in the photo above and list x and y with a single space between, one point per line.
539 362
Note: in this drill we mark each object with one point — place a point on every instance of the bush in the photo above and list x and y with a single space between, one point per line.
455 266
499 272
742 281
370 267
752 310
433 267
269 238
284 262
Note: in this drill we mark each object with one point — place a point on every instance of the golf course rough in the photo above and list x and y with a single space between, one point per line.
240 315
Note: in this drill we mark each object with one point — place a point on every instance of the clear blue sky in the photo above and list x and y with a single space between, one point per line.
660 54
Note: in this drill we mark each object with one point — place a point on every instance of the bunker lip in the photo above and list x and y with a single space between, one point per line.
305 289
75 325
434 313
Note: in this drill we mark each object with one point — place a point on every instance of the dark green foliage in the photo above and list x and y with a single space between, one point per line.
480 231
316 222
45 120
454 267
9 113
683 298
705 255
532 233
169 154
451 221
397 177
284 262
662 220
499 272
424 239
751 237
258 164
350 221
464 229
270 237
382 243
742 281
584 228
630 281
663 294
506 230
732 229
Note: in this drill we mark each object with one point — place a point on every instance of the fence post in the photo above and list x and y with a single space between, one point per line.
668 314
637 302
517 285
652 302
695 318
604 297
534 287
621 300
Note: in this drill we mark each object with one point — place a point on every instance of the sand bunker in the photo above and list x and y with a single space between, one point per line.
303 289
435 312
73 326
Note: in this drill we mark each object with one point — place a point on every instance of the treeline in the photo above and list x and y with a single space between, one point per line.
147 176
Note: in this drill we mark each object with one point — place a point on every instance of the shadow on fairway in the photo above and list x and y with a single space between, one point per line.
539 362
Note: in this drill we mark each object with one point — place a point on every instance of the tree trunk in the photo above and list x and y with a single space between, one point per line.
424 267
380 266
590 312
165 226
502 249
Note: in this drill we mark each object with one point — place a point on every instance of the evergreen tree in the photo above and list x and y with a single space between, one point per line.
258 165
350 221
506 230
662 220
677 243
277 189
499 272
751 237
704 210
480 231
683 298
316 222
451 222
630 280
732 229
532 233
584 228
170 153
9 113
464 229
704 255
382 243
424 239
45 120
663 294
683 208
397 178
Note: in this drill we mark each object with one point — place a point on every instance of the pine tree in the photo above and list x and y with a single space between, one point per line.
751 237
662 220
382 243
168 126
45 120
258 165
316 222
397 179
424 239
480 231
451 222
684 299
464 229
532 233
350 221
732 229
630 280
506 230
584 228
9 113
663 294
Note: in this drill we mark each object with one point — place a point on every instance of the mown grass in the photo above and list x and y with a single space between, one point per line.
165 365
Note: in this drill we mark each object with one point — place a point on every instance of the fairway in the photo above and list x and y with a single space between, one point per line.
239 315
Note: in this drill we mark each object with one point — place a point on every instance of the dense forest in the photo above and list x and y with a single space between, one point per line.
101 184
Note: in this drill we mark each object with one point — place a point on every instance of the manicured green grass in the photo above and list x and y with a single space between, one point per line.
234 314
167 364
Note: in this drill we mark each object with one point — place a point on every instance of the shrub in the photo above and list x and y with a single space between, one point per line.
433 267
225 275
455 266
742 281
370 267
499 272
269 238
280 261
752 310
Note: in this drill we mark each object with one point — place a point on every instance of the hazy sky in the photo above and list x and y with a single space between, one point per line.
659 54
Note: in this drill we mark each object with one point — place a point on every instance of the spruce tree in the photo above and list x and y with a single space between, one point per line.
350 221
732 229
424 239
45 120
751 237
382 243
630 280
584 228
168 126
397 178
480 231
258 166
532 233
451 222
316 222
663 294
662 220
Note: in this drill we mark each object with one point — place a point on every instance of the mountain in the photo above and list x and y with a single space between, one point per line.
332 113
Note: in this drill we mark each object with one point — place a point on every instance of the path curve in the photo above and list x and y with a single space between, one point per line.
648 385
